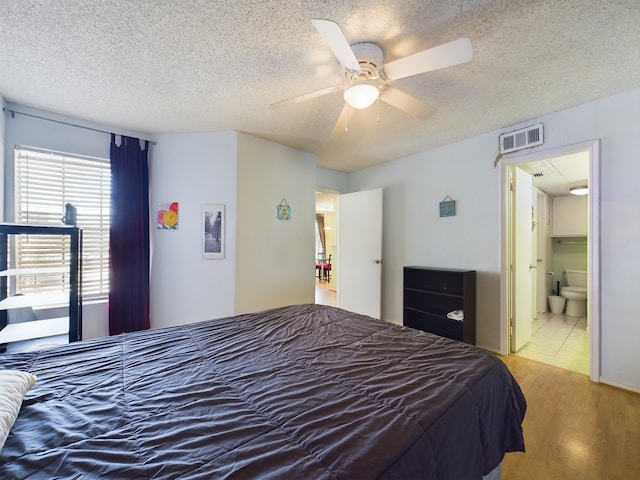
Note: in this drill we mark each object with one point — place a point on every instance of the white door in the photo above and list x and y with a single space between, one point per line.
534 252
360 252
521 266
542 279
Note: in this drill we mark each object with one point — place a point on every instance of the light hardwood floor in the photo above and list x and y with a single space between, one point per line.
573 428
324 295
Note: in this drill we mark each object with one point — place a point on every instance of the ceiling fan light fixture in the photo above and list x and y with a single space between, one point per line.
361 95
582 190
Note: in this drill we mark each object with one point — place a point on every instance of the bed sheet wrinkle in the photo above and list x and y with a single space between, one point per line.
229 350
459 431
174 400
461 368
183 374
338 367
340 431
165 347
416 462
69 424
269 457
248 399
284 404
197 437
255 380
506 396
407 394
111 453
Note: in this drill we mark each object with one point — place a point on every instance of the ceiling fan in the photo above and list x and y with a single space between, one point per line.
366 77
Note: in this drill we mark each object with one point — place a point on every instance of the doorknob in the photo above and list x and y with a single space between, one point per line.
377 262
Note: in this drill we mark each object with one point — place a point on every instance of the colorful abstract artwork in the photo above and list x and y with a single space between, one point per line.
168 216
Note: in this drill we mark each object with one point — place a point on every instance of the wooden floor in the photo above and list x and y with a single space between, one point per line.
573 428
324 294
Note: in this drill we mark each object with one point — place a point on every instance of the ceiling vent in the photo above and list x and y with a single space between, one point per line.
524 138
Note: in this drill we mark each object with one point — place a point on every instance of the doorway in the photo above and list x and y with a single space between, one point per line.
326 246
551 174
356 256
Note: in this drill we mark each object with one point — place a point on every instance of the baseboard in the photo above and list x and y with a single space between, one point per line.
619 385
490 348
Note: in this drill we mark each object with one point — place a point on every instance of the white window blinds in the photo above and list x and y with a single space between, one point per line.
44 183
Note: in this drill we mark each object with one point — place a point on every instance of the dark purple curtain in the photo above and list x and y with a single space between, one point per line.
129 236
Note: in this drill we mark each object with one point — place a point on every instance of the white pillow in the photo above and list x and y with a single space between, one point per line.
13 387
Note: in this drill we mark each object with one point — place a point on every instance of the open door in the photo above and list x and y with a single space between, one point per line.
521 263
360 252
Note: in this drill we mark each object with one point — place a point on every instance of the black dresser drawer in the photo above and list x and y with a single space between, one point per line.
441 281
431 323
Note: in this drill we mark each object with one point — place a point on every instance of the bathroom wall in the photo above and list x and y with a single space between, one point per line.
567 252
569 236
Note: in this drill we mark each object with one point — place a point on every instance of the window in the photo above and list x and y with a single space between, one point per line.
44 183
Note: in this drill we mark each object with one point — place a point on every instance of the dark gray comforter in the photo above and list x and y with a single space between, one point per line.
301 392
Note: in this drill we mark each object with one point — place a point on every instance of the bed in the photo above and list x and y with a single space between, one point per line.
299 392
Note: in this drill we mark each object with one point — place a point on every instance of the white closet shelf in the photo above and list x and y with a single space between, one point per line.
50 327
33 271
50 300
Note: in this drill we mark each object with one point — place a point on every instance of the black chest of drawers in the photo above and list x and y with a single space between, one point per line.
431 294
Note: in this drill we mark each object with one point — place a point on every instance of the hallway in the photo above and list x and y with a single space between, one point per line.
324 295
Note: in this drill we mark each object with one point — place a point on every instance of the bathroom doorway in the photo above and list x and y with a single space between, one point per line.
566 341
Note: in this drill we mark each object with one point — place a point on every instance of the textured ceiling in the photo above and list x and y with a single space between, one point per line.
160 66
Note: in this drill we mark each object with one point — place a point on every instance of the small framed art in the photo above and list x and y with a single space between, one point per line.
168 216
213 231
284 210
448 207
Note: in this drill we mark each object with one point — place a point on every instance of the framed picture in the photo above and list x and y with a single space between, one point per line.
213 231
168 216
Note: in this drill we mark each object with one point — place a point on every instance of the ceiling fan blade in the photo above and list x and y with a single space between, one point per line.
305 97
408 104
343 121
445 55
335 39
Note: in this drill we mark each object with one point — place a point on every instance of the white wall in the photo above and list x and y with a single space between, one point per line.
275 258
193 170
331 181
414 234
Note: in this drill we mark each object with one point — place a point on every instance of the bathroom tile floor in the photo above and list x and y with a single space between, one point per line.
559 340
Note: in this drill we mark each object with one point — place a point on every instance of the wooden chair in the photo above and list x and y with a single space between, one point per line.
327 269
320 261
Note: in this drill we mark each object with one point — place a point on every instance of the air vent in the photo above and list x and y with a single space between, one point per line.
524 138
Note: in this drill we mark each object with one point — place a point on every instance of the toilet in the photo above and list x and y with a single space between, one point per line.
575 293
